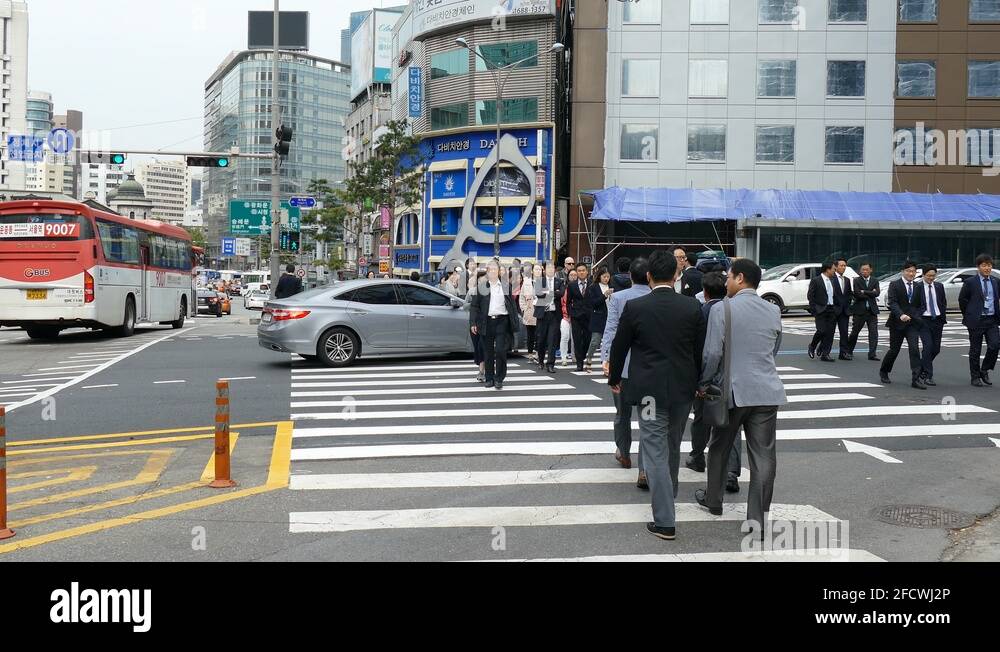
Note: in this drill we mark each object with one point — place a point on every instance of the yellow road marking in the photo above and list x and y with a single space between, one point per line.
128 500
209 473
150 473
115 444
59 458
68 475
121 435
281 457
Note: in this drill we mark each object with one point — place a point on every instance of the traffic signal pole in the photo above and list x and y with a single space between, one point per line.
276 161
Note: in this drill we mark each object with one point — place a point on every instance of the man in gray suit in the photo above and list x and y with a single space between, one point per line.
623 411
757 391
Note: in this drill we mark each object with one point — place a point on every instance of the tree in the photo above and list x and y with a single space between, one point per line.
197 236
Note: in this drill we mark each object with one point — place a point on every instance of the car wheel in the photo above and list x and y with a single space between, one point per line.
338 347
776 300
42 333
179 323
127 329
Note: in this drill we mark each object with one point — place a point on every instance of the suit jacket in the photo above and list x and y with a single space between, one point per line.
288 285
616 304
865 296
578 304
899 304
691 281
756 341
663 330
818 298
842 295
599 308
547 293
942 300
479 308
971 300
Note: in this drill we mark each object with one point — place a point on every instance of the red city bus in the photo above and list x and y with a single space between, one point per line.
64 264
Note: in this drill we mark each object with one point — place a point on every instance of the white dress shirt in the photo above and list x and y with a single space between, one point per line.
550 288
931 299
829 289
497 304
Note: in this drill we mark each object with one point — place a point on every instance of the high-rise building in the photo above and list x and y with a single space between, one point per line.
168 185
14 100
73 121
100 182
39 114
313 95
357 17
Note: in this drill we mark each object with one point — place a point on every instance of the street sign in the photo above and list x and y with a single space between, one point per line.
229 247
383 251
300 272
383 267
416 91
302 202
243 246
362 262
61 141
253 217
25 148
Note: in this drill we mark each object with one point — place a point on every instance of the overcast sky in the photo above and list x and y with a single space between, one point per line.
134 62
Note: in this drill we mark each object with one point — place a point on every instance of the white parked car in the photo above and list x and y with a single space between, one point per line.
787 286
953 279
255 300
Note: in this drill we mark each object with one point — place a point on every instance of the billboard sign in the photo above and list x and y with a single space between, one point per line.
434 15
362 56
294 29
384 22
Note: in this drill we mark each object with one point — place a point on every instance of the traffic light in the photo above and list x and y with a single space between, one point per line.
208 161
290 241
282 140
106 158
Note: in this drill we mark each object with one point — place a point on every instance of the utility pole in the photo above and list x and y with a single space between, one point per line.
276 162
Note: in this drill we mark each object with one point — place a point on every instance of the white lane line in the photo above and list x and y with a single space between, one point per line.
540 448
169 382
799 386
402 367
241 378
443 401
588 373
49 375
90 373
879 410
780 369
817 555
819 398
453 428
17 395
453 391
528 516
807 377
429 381
99 386
61 369
421 375
877 432
352 415
31 383
455 479
102 354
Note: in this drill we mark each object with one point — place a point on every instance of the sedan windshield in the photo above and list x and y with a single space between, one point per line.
777 273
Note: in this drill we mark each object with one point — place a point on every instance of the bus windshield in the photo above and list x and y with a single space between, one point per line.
19 227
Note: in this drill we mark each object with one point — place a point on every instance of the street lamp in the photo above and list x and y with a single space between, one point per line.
500 79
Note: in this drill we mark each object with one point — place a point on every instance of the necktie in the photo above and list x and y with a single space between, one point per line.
986 295
909 291
931 299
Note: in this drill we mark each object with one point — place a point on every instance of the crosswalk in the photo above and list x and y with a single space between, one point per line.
420 449
954 335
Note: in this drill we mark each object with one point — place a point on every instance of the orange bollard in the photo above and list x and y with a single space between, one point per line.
222 468
5 532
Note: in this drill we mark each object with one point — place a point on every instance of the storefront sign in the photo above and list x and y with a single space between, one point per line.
449 185
431 15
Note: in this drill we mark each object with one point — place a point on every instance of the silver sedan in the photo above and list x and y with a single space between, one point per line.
339 324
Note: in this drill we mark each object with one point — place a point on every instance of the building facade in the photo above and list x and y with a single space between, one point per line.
168 185
101 181
313 95
130 200
14 100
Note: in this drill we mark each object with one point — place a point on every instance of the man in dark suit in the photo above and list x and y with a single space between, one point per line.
865 311
579 307
549 292
821 296
843 292
979 301
493 316
906 309
289 284
692 277
933 319
664 331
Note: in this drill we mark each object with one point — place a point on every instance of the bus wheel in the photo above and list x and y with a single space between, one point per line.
180 318
42 333
127 329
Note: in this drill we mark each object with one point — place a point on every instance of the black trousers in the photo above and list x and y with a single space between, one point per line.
532 332
760 426
911 333
547 337
822 341
581 339
701 432
495 342
988 329
860 321
931 331
844 326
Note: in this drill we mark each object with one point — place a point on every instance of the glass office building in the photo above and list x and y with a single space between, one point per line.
313 94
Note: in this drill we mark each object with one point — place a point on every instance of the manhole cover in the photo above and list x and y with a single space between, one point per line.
923 516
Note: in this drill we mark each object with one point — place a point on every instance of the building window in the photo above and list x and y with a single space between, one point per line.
452 62
504 54
706 143
449 116
845 78
984 11
776 78
708 78
709 12
639 142
776 144
514 111
984 79
848 11
916 79
777 11
641 78
641 13
845 145
918 11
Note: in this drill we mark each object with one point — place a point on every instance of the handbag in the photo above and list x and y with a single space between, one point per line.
716 409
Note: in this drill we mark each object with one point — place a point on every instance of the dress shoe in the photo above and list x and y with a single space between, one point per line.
986 378
699 496
843 356
732 485
812 352
489 383
498 386
624 460
884 377
642 483
918 384
579 368
696 464
481 377
927 380
665 533
874 358
827 358
978 382
551 369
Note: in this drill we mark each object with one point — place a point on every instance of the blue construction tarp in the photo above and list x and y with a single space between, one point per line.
671 205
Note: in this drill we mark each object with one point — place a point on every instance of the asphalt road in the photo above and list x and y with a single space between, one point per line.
412 460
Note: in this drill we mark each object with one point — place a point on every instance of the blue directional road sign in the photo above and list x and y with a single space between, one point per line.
302 202
229 247
25 148
61 141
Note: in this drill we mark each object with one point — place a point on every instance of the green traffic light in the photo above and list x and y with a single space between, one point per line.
117 159
223 162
